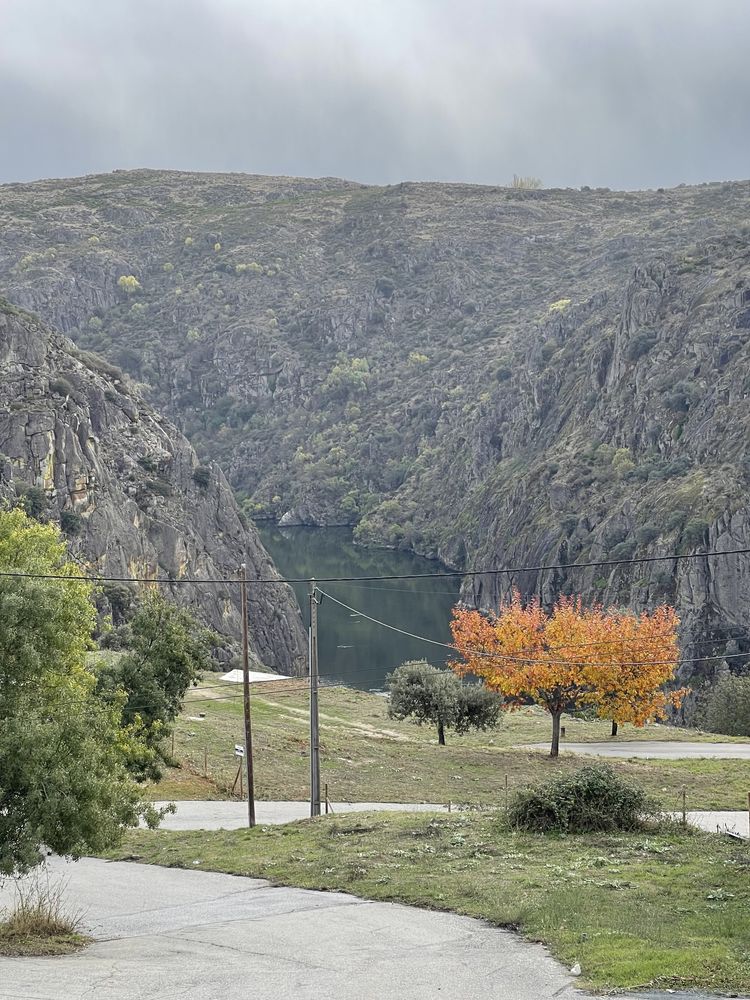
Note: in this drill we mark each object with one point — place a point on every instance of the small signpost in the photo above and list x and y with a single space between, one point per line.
239 751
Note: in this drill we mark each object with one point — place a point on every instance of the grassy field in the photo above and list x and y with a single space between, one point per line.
668 909
368 757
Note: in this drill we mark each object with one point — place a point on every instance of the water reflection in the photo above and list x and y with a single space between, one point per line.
353 650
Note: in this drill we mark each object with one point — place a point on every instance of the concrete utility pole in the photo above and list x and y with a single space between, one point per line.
314 723
246 700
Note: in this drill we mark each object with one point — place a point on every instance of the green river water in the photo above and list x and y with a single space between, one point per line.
351 649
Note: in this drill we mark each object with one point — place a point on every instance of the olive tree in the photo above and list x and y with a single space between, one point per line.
426 694
64 781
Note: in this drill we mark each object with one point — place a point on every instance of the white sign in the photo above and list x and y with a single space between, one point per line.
239 750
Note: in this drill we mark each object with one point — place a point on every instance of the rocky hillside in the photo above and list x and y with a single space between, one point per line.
78 445
492 376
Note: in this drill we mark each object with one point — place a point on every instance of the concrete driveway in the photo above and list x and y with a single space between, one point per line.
654 749
164 934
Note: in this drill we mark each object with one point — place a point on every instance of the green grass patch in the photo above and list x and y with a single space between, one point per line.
668 909
368 757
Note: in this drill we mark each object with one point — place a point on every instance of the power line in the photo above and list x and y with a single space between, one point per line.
525 660
451 574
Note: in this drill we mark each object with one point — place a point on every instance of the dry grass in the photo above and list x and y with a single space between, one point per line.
39 922
368 757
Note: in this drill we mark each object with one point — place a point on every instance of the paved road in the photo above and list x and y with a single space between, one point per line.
647 748
199 815
165 933
726 821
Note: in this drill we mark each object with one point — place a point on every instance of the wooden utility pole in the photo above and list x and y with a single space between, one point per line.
246 700
314 722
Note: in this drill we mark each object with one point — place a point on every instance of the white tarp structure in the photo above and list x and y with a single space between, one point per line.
256 677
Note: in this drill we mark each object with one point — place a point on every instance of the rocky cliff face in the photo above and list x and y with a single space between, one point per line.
127 487
490 376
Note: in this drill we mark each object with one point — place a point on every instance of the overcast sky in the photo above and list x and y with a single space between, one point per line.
618 93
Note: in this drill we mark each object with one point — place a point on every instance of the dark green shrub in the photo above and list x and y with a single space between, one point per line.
726 707
160 487
682 397
679 466
592 798
647 533
33 500
71 522
148 463
625 550
97 363
121 599
695 531
640 344
675 520
60 386
202 476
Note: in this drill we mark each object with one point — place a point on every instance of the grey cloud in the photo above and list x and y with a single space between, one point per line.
623 93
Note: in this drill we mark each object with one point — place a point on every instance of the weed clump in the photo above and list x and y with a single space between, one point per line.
594 798
39 923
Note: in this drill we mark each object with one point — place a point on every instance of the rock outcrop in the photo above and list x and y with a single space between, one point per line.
127 487
490 376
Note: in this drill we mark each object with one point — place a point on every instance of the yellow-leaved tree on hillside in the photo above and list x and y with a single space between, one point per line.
573 657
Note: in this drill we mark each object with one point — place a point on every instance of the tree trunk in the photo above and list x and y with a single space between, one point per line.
441 734
614 728
555 750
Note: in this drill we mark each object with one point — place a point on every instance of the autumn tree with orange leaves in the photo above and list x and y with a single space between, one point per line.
614 661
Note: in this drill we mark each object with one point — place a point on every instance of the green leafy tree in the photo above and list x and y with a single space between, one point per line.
64 780
726 706
423 693
349 376
168 652
129 284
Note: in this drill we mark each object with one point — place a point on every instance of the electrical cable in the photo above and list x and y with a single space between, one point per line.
452 574
518 659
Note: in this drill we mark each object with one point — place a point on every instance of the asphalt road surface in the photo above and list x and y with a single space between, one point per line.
199 815
163 934
206 815
654 749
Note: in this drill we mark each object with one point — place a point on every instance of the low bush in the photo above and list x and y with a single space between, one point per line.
202 476
725 707
592 798
695 531
71 522
158 487
647 533
61 386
